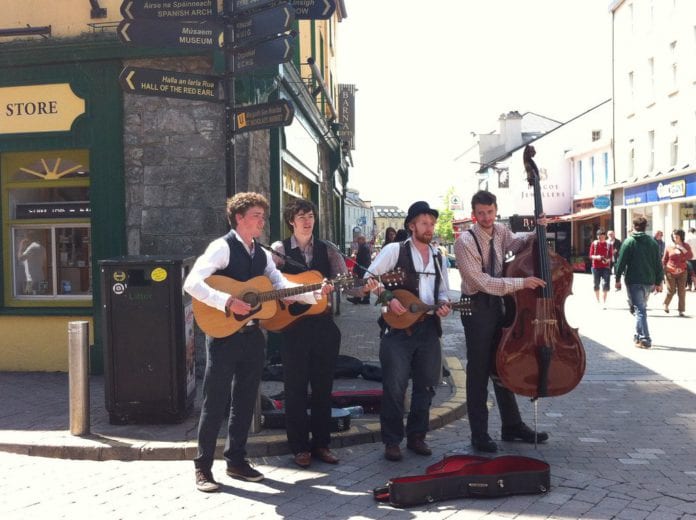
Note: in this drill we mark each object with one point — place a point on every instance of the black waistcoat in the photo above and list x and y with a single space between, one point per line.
320 259
241 266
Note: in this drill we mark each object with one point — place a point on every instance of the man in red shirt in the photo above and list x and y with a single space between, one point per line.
601 254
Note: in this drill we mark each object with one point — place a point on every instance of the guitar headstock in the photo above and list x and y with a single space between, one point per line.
392 278
345 281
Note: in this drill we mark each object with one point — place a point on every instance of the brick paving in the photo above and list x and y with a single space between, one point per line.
622 444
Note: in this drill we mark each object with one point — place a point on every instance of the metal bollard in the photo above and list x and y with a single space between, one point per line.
256 418
78 375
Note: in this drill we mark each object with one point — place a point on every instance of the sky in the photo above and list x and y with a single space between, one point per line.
431 72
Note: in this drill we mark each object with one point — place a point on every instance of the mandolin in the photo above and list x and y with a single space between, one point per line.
415 309
287 314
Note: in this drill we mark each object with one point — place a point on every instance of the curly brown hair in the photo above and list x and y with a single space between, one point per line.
241 202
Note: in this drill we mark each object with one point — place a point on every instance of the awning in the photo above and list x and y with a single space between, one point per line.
584 214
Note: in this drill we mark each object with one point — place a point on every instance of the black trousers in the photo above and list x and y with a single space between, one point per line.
482 331
309 352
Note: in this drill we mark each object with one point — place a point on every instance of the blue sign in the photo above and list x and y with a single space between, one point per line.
601 202
670 189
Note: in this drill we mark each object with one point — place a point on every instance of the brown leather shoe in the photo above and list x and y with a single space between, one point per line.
303 459
416 443
325 455
392 452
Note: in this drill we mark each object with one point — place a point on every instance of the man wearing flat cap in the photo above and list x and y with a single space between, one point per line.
414 351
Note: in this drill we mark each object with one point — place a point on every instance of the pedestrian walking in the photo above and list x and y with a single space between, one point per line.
601 255
640 263
675 260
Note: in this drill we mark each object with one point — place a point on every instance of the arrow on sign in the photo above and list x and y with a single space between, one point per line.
265 115
265 23
271 52
314 9
154 10
166 83
199 35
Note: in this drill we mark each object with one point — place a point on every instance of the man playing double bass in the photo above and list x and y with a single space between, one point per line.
480 254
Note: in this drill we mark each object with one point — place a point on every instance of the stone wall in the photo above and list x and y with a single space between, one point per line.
175 167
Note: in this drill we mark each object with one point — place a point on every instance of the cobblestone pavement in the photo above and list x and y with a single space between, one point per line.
622 446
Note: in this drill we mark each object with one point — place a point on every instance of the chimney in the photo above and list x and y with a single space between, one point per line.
511 129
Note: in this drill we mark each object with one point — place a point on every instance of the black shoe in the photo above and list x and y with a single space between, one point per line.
244 471
205 481
392 452
523 433
416 443
484 443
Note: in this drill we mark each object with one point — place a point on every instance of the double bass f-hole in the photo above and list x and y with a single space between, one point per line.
539 354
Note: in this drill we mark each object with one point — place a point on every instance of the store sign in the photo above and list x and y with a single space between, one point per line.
39 108
53 210
677 188
601 202
346 113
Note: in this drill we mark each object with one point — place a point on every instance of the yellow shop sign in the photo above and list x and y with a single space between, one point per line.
39 108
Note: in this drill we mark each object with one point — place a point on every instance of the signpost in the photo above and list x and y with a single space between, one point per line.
266 115
190 35
263 24
314 9
241 6
271 52
153 82
169 10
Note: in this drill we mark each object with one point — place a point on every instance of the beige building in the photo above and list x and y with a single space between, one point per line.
654 77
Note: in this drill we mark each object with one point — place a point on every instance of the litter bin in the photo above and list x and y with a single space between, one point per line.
149 348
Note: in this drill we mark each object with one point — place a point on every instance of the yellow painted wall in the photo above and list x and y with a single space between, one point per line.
36 343
70 20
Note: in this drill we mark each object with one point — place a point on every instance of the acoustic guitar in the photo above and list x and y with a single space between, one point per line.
289 313
257 292
415 308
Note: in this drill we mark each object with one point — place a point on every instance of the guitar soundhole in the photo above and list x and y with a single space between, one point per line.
251 298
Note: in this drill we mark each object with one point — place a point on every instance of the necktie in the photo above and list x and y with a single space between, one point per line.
491 258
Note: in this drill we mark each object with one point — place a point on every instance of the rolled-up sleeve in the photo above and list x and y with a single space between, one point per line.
215 257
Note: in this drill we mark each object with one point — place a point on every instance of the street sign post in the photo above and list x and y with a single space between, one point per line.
168 10
314 9
271 52
262 24
191 35
266 115
240 6
166 83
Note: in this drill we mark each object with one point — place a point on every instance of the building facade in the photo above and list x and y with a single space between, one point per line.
654 77
89 172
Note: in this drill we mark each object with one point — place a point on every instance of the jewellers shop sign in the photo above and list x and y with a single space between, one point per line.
671 189
39 108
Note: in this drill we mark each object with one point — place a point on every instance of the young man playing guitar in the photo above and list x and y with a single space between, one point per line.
238 357
311 344
413 352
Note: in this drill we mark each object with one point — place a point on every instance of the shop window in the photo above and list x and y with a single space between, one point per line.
48 229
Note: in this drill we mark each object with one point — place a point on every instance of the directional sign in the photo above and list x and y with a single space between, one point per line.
271 52
262 24
313 9
266 115
239 6
169 10
153 82
198 35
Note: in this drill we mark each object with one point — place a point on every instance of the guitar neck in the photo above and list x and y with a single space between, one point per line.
279 294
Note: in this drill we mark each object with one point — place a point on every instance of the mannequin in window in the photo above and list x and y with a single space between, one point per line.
32 255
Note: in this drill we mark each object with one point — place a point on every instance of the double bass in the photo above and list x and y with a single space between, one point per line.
539 354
